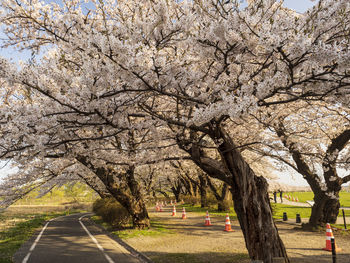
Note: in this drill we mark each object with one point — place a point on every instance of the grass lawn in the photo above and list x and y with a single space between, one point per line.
18 225
304 196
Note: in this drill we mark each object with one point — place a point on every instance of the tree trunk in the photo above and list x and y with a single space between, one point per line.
251 203
126 191
203 190
331 210
223 202
325 210
249 193
176 192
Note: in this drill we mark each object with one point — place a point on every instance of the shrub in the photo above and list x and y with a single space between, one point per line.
112 212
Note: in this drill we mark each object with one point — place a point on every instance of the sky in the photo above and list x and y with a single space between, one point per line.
289 177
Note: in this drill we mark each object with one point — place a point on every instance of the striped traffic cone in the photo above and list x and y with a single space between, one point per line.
160 208
289 197
296 199
227 224
292 198
329 235
183 213
207 220
174 211
171 202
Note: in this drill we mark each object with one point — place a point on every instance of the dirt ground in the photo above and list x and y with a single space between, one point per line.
191 241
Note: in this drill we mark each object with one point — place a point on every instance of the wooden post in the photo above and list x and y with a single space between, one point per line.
344 219
334 256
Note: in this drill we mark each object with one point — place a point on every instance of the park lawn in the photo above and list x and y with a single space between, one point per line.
305 196
278 210
292 211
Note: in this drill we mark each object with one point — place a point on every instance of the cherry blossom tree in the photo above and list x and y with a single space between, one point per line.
312 139
191 66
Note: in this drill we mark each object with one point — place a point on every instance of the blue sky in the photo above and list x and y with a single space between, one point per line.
298 5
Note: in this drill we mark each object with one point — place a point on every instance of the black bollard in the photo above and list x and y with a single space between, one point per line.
334 256
285 218
298 219
344 219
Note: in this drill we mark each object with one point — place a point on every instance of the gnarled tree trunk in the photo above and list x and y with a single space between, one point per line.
223 198
249 193
251 202
203 185
125 189
325 209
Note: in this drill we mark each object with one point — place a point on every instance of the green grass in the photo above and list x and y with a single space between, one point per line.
278 209
199 257
305 212
304 196
291 211
18 228
157 228
65 194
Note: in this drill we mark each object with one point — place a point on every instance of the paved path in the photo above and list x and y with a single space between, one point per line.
73 239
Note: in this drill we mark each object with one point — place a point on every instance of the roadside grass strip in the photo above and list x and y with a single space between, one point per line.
157 229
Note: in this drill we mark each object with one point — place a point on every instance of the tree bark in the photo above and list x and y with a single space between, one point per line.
325 210
251 203
127 191
223 203
203 185
249 193
222 199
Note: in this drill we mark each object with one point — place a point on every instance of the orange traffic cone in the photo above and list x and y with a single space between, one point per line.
207 220
329 235
174 211
171 202
296 199
289 197
292 198
286 196
183 213
228 224
160 208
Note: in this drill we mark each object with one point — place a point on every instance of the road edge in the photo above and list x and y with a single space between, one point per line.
25 247
132 250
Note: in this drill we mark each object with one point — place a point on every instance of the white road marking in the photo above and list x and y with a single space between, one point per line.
95 240
35 242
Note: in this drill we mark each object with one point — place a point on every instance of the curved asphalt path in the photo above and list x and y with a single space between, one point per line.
67 239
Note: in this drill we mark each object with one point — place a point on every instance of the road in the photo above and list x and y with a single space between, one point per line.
73 239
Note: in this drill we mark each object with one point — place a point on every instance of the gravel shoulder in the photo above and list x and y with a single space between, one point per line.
191 241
